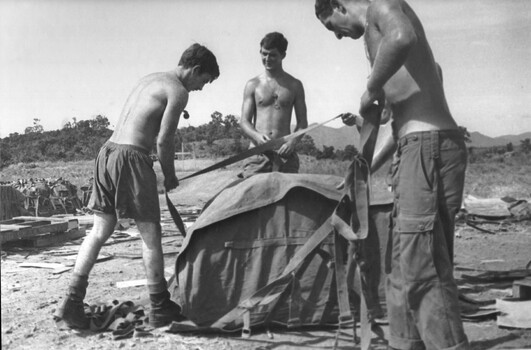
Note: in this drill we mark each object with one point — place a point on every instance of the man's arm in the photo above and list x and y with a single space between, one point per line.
397 38
249 113
300 108
299 105
175 104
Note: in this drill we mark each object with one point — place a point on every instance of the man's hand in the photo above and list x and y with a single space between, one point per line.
348 119
171 183
368 100
286 149
261 139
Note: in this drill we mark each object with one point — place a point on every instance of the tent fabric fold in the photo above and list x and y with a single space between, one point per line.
263 249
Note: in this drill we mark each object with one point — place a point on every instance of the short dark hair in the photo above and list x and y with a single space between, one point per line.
274 40
199 55
323 7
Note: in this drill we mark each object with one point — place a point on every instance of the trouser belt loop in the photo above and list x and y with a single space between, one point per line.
401 143
434 136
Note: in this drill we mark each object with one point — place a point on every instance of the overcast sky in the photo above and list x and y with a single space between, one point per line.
61 59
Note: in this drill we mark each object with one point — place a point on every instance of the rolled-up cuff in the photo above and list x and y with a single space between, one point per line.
156 287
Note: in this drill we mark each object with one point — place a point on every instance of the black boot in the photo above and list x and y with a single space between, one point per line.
163 310
72 311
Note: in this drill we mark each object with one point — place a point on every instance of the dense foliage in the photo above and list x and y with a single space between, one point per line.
76 141
81 140
222 136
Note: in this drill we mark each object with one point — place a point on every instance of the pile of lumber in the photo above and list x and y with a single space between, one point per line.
31 231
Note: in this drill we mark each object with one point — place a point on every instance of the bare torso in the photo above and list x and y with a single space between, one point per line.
274 100
415 92
141 117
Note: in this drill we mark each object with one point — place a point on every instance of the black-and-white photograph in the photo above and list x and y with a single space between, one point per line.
281 174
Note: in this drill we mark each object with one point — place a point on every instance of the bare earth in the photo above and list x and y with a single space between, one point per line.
31 295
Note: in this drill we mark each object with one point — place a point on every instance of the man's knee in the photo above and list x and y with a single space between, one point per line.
150 232
103 226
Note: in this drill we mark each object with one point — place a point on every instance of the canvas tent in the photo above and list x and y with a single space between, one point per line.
249 261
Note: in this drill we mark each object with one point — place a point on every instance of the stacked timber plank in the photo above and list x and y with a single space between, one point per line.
31 231
522 289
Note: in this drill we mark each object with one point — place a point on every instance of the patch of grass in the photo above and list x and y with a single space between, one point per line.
494 177
500 176
310 165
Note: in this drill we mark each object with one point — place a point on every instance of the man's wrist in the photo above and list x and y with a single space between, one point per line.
373 90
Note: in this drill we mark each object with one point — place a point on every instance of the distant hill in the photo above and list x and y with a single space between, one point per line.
515 139
340 137
480 140
337 137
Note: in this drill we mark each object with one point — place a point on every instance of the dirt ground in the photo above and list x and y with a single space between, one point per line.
31 295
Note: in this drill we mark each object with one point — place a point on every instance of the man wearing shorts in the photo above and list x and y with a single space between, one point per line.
125 184
428 168
268 102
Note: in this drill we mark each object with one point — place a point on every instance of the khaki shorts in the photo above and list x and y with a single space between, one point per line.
125 183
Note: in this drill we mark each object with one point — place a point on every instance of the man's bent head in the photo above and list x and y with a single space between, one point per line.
199 55
324 8
342 17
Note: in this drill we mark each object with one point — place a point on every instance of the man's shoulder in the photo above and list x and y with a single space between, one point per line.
153 77
255 81
293 81
385 7
162 81
381 8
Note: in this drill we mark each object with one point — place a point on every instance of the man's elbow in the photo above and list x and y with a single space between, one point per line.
405 40
301 124
246 126
164 143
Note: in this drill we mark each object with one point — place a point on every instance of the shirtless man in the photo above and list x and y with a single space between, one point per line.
125 184
268 101
428 170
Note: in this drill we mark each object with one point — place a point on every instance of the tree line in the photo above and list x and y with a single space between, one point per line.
81 140
77 140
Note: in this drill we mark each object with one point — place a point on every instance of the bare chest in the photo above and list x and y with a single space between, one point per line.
274 95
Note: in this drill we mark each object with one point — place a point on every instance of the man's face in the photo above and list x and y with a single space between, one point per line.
271 59
342 24
198 81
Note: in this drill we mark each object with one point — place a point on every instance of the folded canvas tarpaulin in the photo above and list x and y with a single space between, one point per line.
264 252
